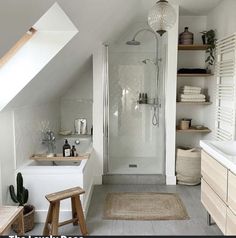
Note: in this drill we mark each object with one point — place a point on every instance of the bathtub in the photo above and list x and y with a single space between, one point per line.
45 177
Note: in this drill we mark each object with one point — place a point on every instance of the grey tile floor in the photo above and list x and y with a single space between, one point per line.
98 226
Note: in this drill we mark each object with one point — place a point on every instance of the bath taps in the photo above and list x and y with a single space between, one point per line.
49 136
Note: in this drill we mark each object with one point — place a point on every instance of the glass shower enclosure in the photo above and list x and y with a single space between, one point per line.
135 118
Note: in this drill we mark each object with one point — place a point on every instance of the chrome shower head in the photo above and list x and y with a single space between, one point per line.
133 42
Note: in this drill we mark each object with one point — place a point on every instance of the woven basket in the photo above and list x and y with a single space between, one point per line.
188 166
28 219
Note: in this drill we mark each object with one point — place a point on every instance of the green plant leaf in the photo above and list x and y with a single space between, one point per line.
13 194
25 195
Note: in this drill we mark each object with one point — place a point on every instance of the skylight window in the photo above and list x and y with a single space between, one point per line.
17 46
33 52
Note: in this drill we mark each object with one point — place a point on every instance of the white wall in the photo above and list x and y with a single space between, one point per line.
223 18
171 80
29 124
99 57
0 182
78 103
21 137
7 160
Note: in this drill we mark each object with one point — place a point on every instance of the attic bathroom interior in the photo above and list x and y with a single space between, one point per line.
118 117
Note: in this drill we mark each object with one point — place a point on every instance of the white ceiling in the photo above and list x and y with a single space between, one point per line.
197 7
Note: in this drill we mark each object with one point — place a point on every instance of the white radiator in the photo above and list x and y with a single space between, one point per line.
226 91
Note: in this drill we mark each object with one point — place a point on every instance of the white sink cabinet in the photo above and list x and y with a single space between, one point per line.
218 191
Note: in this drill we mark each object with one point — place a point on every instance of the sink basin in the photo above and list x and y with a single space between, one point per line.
223 151
226 147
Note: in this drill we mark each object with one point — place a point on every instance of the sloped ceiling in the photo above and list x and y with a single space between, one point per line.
98 21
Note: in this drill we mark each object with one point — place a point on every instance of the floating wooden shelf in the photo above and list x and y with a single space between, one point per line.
194 130
59 157
194 75
151 104
192 47
195 103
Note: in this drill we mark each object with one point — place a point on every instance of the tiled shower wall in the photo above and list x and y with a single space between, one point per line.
29 124
136 146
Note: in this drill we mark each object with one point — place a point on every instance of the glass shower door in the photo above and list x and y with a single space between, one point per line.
135 146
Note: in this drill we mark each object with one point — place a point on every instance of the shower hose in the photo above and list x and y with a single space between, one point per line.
155 118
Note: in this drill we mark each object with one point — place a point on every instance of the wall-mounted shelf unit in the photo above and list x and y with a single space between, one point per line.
194 75
193 130
192 47
192 57
195 103
150 104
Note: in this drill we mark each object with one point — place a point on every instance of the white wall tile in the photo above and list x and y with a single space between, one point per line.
29 123
78 103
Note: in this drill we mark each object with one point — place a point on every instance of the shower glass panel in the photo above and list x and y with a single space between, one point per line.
135 145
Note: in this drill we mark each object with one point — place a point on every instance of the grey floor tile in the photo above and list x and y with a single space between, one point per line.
138 228
102 227
190 196
117 228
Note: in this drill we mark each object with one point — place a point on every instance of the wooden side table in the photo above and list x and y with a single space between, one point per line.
8 215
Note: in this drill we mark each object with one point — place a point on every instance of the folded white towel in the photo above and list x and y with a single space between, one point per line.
192 100
192 96
191 88
188 91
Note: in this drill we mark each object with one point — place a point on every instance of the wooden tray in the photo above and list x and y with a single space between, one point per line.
59 157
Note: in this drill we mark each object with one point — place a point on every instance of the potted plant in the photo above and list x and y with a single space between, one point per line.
209 38
21 197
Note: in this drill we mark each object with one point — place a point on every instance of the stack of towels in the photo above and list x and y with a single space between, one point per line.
191 94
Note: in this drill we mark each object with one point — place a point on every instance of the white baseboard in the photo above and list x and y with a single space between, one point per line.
170 180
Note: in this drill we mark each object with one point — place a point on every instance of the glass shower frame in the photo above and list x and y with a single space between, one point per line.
107 167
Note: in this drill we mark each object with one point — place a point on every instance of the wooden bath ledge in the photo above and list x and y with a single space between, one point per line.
59 157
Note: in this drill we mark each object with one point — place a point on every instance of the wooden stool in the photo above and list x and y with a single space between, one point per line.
53 212
8 215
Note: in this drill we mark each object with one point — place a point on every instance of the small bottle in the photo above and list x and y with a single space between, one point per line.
91 130
140 98
73 151
66 149
145 98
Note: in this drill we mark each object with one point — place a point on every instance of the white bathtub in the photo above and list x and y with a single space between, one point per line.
42 178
